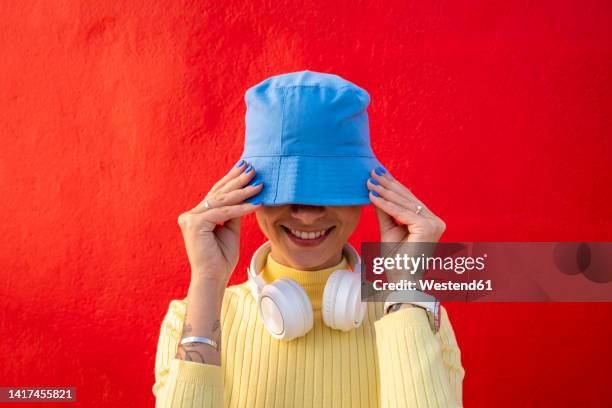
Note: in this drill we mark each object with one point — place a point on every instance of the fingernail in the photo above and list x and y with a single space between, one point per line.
375 194
258 182
256 202
380 170
249 168
373 181
240 163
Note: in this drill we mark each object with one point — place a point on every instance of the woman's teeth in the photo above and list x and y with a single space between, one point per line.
308 235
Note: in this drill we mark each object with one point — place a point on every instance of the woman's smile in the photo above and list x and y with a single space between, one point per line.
306 237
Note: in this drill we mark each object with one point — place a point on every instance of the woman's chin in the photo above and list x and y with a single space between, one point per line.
308 265
305 260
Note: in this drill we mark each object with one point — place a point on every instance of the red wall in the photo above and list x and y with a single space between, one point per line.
118 116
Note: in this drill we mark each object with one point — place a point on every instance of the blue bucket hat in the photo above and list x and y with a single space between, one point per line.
307 135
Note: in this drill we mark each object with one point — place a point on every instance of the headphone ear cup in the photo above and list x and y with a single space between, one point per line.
342 306
285 309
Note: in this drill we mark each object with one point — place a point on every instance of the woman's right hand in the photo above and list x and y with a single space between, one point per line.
212 236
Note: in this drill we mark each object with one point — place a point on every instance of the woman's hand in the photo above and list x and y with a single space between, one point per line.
212 235
396 209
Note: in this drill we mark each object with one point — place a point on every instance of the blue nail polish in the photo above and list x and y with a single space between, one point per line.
256 202
258 182
249 168
375 194
373 181
240 163
380 171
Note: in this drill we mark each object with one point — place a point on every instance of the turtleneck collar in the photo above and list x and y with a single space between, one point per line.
313 282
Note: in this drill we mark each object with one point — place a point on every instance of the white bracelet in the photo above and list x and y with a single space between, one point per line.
204 340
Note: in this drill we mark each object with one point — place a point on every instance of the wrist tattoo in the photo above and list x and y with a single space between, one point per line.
188 352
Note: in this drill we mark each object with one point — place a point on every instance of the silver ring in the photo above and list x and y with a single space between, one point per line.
419 209
206 205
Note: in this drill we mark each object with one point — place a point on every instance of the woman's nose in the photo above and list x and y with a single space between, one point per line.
307 214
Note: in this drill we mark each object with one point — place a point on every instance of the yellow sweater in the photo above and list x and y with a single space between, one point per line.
392 360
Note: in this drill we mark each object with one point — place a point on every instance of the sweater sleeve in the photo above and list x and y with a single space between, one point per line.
180 383
417 367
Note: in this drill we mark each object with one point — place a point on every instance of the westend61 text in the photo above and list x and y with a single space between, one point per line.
428 285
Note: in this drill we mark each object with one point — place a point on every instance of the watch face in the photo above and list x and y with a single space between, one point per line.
395 307
391 308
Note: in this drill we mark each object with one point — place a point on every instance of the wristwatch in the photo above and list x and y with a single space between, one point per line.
418 299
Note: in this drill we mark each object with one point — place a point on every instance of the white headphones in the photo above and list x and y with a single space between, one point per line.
285 308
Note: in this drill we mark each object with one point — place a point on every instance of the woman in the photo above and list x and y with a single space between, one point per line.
296 333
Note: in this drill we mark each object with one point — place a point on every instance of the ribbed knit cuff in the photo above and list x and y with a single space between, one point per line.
197 373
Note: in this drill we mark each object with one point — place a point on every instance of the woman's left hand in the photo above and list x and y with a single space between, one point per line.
402 217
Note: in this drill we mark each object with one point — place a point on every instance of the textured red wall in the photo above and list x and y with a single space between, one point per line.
117 116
